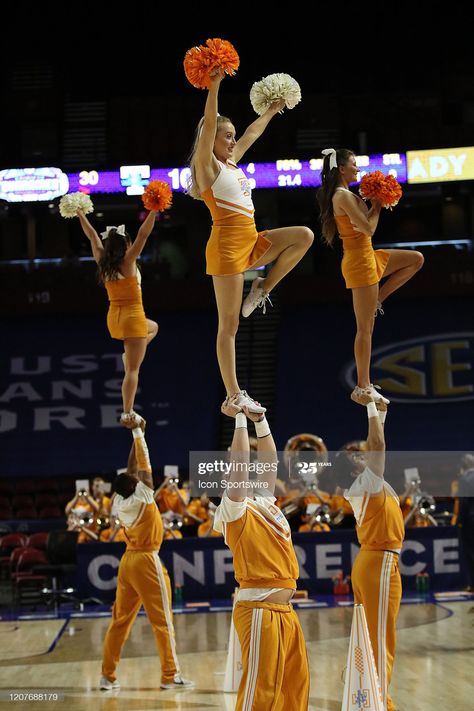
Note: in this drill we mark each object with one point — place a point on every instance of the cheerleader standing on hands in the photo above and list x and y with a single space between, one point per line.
116 257
235 245
363 267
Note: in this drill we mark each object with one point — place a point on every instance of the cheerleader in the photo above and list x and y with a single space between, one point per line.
274 659
116 257
375 576
235 245
363 267
142 578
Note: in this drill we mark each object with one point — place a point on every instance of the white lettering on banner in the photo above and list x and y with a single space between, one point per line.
80 364
417 170
110 415
39 388
406 569
354 552
327 562
301 555
59 390
68 417
222 565
83 390
16 390
194 570
438 166
94 569
458 163
83 363
8 420
441 554
18 367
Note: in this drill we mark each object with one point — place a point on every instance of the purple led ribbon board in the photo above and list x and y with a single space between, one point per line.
40 184
285 173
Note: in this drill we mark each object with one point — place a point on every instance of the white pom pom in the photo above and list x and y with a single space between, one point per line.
72 202
85 203
272 87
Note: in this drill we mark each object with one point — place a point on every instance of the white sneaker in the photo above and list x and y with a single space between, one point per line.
369 391
243 399
257 297
179 682
132 419
107 685
378 396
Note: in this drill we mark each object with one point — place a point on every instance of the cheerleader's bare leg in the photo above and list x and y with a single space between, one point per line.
289 245
401 266
364 300
152 328
135 349
228 291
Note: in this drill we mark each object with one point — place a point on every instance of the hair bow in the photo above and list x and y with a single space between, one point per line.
120 231
332 157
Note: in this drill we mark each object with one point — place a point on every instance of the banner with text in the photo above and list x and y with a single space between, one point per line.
203 567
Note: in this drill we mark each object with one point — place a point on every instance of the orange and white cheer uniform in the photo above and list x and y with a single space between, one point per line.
234 245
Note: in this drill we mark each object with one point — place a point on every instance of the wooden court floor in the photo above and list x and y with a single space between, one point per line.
433 668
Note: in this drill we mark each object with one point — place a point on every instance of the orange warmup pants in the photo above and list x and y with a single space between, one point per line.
275 664
377 584
142 580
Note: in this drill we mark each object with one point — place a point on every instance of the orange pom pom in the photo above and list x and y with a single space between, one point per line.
392 192
197 65
371 185
223 55
383 188
200 61
157 196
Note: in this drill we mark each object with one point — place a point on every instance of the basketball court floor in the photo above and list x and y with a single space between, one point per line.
61 658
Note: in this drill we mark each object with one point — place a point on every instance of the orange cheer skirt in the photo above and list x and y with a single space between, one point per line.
126 317
233 249
361 264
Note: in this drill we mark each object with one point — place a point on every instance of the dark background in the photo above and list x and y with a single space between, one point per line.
95 88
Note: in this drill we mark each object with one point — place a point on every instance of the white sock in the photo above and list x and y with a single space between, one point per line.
262 428
372 410
240 420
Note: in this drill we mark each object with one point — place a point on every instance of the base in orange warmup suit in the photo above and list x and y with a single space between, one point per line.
377 585
142 579
276 674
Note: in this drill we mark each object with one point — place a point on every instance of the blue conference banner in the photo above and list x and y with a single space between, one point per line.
60 385
203 566
60 394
